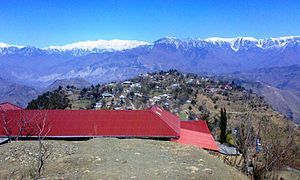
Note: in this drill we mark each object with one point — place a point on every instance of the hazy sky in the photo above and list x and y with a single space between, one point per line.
56 22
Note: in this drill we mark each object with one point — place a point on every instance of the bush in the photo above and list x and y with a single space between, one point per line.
229 139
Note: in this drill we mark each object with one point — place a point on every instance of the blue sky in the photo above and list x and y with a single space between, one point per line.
56 22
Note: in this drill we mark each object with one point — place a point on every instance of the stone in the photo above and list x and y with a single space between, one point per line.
208 170
193 169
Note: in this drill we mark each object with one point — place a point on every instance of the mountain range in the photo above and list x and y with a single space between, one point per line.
102 60
112 60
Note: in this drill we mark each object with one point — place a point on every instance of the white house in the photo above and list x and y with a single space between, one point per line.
107 95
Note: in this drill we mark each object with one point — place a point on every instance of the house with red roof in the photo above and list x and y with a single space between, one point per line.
196 133
9 106
153 123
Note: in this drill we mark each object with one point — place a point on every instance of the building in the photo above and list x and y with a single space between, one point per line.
150 123
127 83
154 123
198 134
98 105
9 106
122 97
107 95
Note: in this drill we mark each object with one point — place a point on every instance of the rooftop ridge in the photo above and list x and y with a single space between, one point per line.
174 125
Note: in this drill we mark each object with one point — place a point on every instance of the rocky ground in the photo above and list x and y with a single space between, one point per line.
110 158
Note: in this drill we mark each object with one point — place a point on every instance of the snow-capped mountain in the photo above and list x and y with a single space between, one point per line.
234 43
100 44
7 48
87 47
105 60
76 49
4 45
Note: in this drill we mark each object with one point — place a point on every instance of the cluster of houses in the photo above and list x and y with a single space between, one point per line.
151 89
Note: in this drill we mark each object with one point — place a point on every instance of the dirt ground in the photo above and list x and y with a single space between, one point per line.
110 158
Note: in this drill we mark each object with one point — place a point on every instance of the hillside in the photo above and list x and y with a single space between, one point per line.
109 158
76 82
187 95
16 93
285 101
190 97
278 85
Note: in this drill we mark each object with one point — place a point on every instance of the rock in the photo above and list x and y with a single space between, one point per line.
200 160
193 169
86 171
207 170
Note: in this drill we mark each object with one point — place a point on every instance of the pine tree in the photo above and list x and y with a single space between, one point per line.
223 125
50 100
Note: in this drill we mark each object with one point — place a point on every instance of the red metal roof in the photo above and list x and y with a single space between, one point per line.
9 106
154 122
200 126
197 133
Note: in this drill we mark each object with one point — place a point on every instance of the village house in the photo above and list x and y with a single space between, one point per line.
138 94
107 95
117 108
127 83
136 85
69 92
165 96
153 123
227 86
175 86
190 81
122 97
98 105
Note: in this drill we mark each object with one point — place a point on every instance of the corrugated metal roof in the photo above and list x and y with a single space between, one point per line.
172 120
3 140
197 133
196 125
9 106
93 123
228 150
153 122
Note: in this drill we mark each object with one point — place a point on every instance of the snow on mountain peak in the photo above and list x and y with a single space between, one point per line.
4 45
100 44
218 39
234 43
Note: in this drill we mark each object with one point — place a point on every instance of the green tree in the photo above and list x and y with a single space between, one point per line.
223 125
50 100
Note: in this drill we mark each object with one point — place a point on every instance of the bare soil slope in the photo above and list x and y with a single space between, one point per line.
111 158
